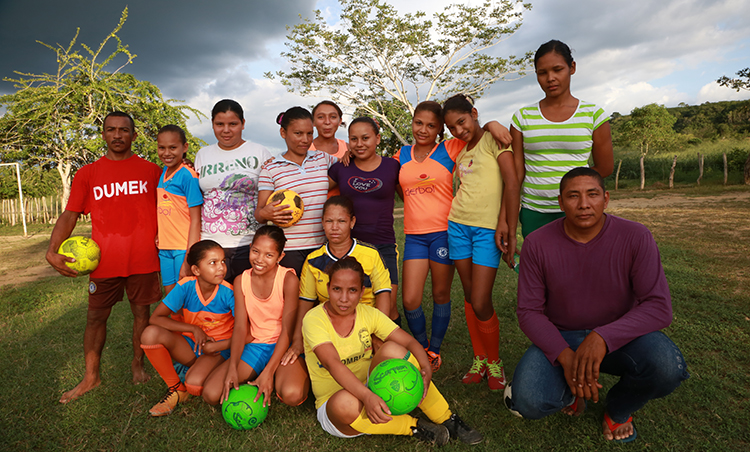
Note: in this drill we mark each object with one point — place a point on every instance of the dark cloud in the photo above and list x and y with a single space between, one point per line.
181 45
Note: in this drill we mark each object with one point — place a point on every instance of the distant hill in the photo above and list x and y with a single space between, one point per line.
708 121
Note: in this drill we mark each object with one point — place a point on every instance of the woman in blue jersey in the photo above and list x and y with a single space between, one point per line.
555 135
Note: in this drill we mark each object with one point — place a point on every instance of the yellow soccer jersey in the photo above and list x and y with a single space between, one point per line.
313 284
355 350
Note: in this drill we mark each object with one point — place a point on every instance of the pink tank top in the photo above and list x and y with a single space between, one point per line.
265 313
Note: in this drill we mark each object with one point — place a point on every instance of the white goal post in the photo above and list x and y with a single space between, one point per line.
20 194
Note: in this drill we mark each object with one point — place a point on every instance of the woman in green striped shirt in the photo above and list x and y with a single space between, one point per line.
555 135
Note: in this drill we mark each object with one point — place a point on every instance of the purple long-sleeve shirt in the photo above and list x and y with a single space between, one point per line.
614 285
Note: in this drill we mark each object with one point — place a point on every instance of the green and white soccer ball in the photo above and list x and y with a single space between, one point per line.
84 250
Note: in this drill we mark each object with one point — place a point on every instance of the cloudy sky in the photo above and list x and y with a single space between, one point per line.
629 52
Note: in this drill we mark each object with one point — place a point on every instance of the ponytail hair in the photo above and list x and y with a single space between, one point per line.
460 102
285 118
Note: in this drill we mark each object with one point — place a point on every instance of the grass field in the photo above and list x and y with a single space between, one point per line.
705 247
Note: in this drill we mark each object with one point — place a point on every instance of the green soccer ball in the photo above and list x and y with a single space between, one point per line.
84 250
399 383
239 410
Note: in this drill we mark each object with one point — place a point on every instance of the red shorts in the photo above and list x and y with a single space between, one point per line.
142 290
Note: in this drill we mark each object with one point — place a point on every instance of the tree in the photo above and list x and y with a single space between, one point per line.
55 120
650 128
377 56
741 82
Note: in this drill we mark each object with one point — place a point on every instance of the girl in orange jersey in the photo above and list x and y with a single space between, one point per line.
200 339
266 300
426 186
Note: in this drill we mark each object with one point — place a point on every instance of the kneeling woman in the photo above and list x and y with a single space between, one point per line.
340 356
266 300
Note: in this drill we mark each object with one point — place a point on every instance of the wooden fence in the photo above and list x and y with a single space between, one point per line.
37 210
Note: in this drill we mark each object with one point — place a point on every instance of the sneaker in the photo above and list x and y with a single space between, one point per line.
169 402
458 429
431 433
496 375
435 360
477 371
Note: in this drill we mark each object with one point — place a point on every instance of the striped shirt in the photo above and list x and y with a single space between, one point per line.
551 149
310 182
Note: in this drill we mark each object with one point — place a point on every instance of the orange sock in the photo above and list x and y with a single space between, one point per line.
194 390
162 362
489 330
474 334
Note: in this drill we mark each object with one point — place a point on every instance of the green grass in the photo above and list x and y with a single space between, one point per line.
705 251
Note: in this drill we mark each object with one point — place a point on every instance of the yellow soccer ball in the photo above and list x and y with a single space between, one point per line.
84 250
292 199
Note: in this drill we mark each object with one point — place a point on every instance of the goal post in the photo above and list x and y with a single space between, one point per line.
20 194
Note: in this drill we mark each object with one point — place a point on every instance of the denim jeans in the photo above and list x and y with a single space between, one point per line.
649 367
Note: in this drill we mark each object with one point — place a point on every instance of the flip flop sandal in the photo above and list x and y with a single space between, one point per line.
613 426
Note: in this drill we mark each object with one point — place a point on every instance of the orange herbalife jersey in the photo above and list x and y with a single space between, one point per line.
264 314
176 194
214 316
428 187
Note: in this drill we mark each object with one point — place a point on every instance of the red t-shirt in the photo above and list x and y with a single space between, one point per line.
121 197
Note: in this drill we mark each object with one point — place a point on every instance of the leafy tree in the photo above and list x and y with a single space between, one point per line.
55 120
377 56
650 128
741 82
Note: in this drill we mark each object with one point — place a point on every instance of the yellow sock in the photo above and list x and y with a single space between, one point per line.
434 405
399 425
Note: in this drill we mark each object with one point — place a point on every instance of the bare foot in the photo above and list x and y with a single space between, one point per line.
139 373
577 408
620 432
82 388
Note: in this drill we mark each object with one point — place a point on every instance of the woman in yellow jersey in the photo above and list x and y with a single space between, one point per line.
340 356
338 221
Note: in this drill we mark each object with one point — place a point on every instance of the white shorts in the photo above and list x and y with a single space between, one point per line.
328 426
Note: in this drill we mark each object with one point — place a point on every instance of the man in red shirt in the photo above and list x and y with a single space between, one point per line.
119 191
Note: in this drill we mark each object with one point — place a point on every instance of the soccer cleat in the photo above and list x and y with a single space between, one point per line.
435 360
496 375
458 429
169 402
431 433
477 371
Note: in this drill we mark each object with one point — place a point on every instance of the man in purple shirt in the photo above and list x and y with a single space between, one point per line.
592 296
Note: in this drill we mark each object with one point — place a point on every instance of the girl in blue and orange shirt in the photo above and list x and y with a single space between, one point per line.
199 338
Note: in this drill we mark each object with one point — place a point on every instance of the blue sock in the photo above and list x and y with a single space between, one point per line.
417 324
441 317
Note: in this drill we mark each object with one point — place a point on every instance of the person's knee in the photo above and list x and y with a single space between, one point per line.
390 350
530 402
150 335
97 317
292 395
344 407
212 394
663 366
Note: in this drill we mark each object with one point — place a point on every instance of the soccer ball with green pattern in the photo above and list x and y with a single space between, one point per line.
84 250
239 410
399 383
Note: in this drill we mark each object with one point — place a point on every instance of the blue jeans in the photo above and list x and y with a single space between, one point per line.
649 367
